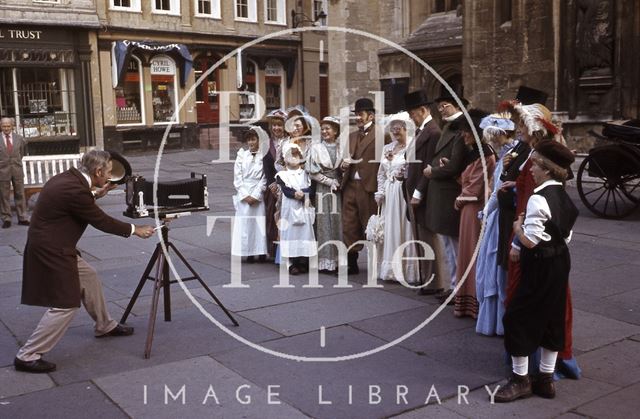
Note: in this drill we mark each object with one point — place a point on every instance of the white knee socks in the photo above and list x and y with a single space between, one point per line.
520 364
547 361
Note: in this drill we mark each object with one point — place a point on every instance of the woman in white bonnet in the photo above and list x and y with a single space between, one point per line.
390 197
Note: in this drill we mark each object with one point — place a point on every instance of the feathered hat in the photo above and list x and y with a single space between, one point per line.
495 125
536 117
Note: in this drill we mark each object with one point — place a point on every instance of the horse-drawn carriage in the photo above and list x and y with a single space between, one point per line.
609 177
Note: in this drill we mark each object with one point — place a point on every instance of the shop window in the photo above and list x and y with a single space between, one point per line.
166 6
248 102
274 85
245 10
129 99
42 100
320 6
208 8
163 89
125 5
274 11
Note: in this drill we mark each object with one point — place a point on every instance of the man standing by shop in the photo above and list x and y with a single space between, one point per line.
12 149
447 164
54 274
416 185
359 181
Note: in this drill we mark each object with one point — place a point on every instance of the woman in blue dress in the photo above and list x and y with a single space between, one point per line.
498 130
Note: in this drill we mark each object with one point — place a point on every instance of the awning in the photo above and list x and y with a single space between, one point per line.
123 49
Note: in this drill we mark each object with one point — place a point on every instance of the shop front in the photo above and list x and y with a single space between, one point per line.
45 87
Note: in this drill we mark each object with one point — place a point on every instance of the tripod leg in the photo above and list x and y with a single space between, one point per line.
157 284
143 279
166 291
196 276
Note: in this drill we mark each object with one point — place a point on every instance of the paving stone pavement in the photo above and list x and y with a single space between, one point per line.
440 370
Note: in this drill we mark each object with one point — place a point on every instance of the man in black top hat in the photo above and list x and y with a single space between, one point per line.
359 181
447 164
416 184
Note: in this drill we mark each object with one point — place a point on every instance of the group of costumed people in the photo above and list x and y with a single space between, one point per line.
433 187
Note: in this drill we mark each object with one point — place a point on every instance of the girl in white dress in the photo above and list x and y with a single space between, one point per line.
297 240
249 231
397 229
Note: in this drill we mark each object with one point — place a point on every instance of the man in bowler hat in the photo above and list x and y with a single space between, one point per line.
359 181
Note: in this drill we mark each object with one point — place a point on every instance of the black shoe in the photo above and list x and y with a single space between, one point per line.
24 222
250 259
294 270
542 385
518 387
430 291
119 330
39 366
6 224
442 297
262 259
352 267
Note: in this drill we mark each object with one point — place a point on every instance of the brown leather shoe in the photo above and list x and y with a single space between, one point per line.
119 330
542 385
39 366
518 387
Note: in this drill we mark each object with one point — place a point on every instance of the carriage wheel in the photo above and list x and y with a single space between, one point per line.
609 182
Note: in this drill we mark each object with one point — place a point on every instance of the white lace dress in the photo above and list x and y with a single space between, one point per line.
397 229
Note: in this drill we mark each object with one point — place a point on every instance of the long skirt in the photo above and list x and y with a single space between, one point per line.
270 204
397 231
249 235
466 303
328 226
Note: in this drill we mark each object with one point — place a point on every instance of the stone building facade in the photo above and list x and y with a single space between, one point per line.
582 52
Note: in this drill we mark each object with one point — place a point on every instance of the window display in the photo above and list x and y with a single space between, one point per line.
129 109
42 100
163 88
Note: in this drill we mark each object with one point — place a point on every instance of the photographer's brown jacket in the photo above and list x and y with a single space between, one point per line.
64 209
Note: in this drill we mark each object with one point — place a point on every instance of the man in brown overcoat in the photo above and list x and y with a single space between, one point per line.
359 181
54 274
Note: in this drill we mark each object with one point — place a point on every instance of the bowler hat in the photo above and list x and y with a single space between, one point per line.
364 104
528 95
416 99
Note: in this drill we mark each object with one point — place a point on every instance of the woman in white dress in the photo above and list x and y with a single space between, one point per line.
249 231
390 196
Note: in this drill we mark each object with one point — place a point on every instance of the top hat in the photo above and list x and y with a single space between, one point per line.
447 97
364 104
121 169
528 95
416 99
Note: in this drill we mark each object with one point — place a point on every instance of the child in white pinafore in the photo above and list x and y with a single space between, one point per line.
297 240
249 233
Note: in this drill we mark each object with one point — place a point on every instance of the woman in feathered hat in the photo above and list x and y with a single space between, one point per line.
535 125
323 166
397 229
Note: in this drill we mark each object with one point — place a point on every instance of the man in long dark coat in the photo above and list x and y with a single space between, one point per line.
54 273
416 185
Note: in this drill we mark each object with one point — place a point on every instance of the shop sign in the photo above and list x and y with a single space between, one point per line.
20 34
273 68
163 66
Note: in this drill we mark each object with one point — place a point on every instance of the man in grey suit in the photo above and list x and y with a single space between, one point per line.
12 148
